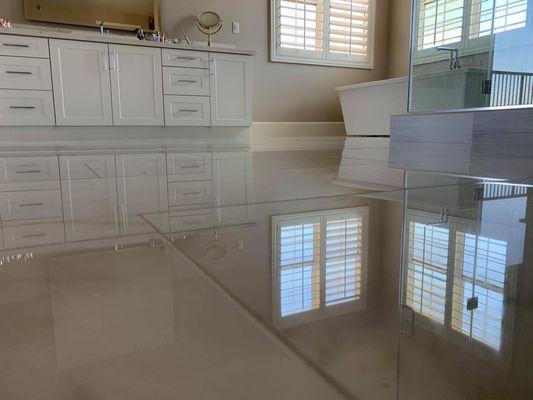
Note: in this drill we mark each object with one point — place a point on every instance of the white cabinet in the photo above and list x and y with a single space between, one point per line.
137 85
231 89
81 81
26 107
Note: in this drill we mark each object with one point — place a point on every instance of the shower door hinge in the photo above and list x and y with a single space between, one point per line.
472 303
486 86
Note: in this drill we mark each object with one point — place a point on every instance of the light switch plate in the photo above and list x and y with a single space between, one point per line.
235 27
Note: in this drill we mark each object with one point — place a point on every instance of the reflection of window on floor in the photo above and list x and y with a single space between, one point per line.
319 264
474 266
488 255
427 270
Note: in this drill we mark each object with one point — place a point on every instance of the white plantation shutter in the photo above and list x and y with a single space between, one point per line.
301 26
343 259
299 261
493 16
440 22
329 32
486 259
319 264
348 28
427 267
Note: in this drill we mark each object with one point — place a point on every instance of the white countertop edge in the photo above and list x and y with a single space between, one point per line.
372 83
59 33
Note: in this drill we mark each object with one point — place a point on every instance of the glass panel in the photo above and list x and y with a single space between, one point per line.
471 54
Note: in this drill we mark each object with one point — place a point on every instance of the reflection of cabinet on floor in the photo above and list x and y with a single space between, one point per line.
103 194
92 195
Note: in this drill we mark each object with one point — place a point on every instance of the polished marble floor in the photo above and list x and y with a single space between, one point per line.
159 273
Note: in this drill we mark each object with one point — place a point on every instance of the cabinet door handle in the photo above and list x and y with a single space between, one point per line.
29 171
105 60
113 58
191 193
15 45
22 107
33 235
31 205
185 58
213 68
190 166
186 110
19 72
187 81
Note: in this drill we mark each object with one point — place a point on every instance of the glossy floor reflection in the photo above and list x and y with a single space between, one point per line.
163 273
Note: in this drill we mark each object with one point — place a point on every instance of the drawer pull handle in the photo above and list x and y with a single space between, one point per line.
32 205
188 110
191 193
187 81
185 58
33 235
22 107
29 171
15 45
19 72
190 166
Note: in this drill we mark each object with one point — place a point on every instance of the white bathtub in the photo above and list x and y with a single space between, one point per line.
367 107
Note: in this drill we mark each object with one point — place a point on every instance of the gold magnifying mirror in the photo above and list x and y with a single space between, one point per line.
209 23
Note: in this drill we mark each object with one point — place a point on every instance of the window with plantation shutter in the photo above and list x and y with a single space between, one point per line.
319 264
446 266
323 32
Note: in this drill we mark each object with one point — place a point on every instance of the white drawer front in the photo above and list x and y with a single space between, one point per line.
31 204
187 111
33 235
189 167
28 169
23 46
25 73
186 81
185 58
191 222
190 193
21 107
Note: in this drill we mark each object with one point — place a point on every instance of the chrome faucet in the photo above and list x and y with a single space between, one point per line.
454 56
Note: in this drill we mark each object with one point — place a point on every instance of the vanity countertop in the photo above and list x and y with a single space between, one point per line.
90 36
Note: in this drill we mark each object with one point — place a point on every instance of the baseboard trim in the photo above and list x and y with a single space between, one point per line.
275 136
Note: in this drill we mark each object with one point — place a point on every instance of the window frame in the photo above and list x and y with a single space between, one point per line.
322 311
285 57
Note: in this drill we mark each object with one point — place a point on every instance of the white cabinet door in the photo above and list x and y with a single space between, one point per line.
81 81
231 90
142 190
137 85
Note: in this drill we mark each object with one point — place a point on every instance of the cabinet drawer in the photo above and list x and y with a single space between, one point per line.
191 222
187 81
189 167
190 193
185 58
25 73
23 46
31 204
187 111
28 169
31 108
33 235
